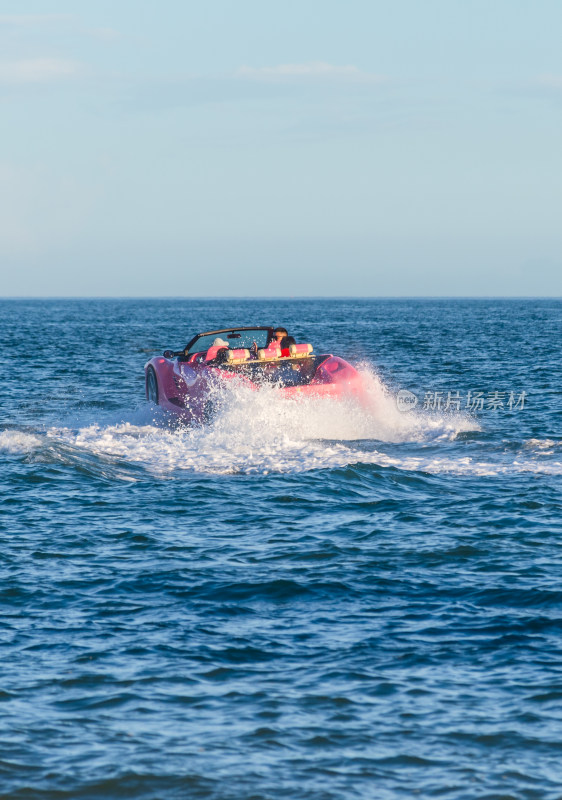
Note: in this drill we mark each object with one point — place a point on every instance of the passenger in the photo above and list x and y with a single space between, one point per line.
285 343
221 357
218 351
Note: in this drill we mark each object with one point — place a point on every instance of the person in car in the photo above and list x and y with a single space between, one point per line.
279 334
285 343
218 351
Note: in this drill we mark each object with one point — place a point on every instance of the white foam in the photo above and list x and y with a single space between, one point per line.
13 441
545 447
263 432
263 449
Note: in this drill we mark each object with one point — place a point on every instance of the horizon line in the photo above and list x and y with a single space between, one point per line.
285 297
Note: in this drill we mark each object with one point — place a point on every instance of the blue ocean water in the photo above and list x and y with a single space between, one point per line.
311 600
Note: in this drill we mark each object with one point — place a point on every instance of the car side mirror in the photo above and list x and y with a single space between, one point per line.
168 353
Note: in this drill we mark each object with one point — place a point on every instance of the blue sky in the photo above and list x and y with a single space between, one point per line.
297 148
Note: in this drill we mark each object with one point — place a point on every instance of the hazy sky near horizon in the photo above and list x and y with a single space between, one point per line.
281 148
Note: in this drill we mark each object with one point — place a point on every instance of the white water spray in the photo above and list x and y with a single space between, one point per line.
266 432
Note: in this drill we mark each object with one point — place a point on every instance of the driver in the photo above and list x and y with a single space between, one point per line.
279 334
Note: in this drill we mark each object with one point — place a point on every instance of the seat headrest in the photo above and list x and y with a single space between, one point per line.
300 350
238 356
270 352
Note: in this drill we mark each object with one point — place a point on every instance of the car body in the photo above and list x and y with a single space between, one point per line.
186 382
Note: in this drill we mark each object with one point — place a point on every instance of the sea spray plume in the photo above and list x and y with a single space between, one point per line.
274 440
382 419
267 414
260 431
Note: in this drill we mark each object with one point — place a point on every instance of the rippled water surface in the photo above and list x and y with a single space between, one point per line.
303 600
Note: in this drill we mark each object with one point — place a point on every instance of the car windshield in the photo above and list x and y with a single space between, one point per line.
236 338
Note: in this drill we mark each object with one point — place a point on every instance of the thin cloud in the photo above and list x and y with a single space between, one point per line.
32 19
37 70
105 34
314 70
24 21
549 81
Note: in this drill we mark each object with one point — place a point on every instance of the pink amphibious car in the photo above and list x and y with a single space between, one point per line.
186 382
